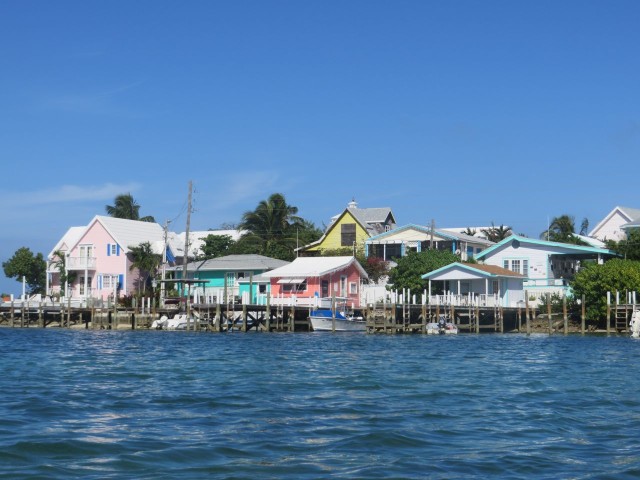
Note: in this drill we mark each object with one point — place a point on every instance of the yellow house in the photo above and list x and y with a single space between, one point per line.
351 229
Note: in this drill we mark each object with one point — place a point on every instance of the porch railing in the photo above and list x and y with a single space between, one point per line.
81 263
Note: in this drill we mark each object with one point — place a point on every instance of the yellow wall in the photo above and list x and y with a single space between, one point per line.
333 238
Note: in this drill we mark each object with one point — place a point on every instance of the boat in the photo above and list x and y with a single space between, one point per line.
442 327
634 324
324 320
180 321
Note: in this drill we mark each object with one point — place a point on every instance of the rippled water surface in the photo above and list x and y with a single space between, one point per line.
98 404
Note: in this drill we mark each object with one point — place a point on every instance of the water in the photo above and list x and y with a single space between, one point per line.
178 405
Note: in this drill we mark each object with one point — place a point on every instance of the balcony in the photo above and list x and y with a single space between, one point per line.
81 263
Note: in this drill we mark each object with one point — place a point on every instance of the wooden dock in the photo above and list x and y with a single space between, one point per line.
383 318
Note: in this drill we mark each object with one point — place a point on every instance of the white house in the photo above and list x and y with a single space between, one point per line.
546 266
613 226
475 284
416 238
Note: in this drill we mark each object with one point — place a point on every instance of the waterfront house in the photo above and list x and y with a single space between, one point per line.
239 277
400 241
350 229
474 284
99 254
546 266
616 223
307 280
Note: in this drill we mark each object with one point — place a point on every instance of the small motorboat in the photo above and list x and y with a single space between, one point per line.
634 324
442 327
323 320
180 321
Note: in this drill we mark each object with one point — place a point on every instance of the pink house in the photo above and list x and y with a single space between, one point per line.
99 254
310 278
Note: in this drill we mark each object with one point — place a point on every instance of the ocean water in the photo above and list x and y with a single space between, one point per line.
181 405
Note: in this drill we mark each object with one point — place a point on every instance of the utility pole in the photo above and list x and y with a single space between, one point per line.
186 256
433 227
164 263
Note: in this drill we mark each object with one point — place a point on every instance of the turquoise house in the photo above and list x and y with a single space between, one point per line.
238 274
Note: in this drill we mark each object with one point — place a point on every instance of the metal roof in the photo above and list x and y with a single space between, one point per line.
306 267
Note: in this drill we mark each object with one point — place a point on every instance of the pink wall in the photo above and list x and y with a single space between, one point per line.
314 285
99 238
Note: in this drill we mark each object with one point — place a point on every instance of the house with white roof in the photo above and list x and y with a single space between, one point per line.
547 267
99 255
307 280
400 241
616 223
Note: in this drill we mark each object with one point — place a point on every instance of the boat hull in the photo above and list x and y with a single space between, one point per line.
326 324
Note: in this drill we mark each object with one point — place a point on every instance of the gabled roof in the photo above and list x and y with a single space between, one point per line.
235 263
487 271
446 234
128 233
367 216
544 243
632 214
69 239
306 267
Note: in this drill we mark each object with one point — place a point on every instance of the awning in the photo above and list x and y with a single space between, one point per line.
291 280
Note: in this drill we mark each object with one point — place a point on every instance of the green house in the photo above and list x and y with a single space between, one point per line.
238 275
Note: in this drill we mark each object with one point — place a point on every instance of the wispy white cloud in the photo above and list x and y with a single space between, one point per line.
64 194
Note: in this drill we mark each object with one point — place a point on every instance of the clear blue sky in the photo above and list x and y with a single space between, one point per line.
465 112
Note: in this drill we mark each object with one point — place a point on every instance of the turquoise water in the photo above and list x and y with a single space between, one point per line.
102 404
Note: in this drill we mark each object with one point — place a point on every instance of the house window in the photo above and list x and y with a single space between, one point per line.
231 279
505 264
515 266
496 287
295 287
343 286
387 228
347 234
353 288
114 249
525 268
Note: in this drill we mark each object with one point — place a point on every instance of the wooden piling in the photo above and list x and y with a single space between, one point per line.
549 313
583 315
564 315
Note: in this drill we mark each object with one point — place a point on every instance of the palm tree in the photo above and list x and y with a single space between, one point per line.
562 229
271 227
146 261
497 234
126 207
470 231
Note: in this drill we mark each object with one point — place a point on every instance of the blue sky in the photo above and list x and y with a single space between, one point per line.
465 112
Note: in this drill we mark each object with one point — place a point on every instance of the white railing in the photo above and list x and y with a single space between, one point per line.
468 300
81 263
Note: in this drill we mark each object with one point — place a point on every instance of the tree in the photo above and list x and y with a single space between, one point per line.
584 227
126 207
628 248
562 229
216 246
273 229
497 234
375 267
410 268
60 263
146 261
470 231
32 267
594 281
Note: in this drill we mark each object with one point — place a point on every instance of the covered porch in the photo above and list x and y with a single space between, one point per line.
466 284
